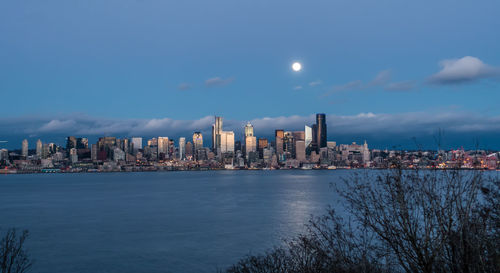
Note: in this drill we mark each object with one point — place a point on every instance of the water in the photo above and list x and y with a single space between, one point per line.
159 222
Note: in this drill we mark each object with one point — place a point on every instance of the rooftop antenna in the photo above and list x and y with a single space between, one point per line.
439 139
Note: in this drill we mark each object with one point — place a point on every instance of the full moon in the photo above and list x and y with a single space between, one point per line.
296 66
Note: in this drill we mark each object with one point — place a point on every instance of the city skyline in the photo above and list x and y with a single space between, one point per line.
417 67
382 131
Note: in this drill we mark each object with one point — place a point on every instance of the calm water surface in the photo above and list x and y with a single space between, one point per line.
159 222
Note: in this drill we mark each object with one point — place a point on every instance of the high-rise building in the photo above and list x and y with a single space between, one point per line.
321 130
82 143
289 144
70 143
262 144
93 152
197 140
300 150
279 134
227 142
39 147
217 135
73 155
163 146
250 140
182 148
25 148
137 144
250 145
189 150
248 130
308 139
153 142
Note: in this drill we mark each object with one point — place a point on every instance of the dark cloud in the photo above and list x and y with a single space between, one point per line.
466 69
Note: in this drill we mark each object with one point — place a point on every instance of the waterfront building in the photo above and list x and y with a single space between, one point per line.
118 155
25 148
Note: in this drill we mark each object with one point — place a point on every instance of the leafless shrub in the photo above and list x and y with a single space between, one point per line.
13 256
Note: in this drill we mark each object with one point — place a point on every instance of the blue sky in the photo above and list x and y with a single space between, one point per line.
433 63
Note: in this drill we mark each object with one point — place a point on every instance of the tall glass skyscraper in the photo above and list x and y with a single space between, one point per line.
321 130
182 148
216 135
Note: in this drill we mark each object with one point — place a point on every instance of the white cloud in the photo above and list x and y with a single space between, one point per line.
400 86
56 125
315 83
466 69
218 81
184 86
382 78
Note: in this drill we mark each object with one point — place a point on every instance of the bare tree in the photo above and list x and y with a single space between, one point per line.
13 256
430 221
398 221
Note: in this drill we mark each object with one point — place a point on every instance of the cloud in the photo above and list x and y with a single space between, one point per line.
466 69
56 125
315 83
217 81
382 78
391 127
298 87
400 86
184 86
353 85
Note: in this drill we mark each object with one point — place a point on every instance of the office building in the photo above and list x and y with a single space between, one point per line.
182 148
217 135
278 135
320 131
197 140
163 145
39 147
136 144
227 142
25 148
